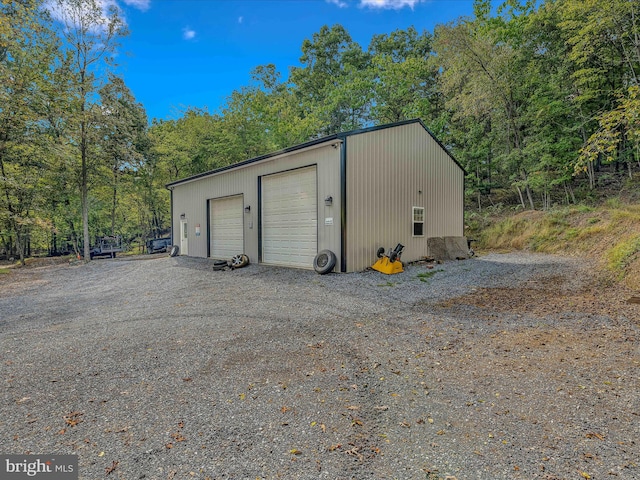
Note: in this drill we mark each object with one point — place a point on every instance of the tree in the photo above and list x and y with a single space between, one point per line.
332 84
484 80
403 77
27 53
122 128
92 36
281 115
604 45
615 126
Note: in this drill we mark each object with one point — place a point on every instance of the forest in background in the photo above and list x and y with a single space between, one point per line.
538 100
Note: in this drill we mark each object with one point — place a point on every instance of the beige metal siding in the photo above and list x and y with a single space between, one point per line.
190 198
389 171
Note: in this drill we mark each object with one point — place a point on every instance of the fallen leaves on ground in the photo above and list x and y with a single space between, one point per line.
354 451
73 418
548 296
110 469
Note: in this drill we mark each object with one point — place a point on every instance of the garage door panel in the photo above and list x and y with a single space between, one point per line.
227 226
289 218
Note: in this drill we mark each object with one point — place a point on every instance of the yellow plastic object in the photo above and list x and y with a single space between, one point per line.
383 265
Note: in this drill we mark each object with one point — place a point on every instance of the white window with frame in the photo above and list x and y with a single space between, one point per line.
418 221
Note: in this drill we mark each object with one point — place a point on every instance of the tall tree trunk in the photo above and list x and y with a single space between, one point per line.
521 197
114 201
84 188
530 197
592 175
15 226
527 189
571 198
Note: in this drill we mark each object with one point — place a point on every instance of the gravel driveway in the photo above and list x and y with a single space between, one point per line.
507 366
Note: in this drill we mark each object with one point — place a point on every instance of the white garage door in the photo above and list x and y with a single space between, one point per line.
226 225
290 218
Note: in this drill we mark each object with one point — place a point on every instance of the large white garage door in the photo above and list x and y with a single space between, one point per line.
290 218
226 225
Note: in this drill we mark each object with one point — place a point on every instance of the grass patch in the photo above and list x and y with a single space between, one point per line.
4 271
626 214
584 209
609 234
427 275
622 254
571 233
388 284
591 232
613 203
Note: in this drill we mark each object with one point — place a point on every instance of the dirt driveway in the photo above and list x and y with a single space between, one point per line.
510 366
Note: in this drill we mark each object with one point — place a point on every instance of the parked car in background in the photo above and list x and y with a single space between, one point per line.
107 247
158 245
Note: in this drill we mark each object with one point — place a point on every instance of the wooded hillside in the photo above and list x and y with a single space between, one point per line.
539 101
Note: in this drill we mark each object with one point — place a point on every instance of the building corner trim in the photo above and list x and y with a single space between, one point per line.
343 206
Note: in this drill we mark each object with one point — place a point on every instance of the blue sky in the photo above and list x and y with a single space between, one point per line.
182 53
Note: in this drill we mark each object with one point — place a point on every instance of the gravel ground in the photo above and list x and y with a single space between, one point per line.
506 366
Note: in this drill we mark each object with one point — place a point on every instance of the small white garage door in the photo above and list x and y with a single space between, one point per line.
290 218
226 225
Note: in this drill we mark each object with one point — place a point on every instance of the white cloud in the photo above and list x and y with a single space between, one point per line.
389 4
65 13
338 3
240 19
71 15
139 4
188 34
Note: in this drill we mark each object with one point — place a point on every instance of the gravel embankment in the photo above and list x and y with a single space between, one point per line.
499 367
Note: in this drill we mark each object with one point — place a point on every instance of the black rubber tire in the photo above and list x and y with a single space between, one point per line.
239 261
380 252
324 262
220 266
174 250
393 256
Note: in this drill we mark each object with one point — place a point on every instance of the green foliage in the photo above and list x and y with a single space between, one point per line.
333 82
27 57
613 202
615 126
